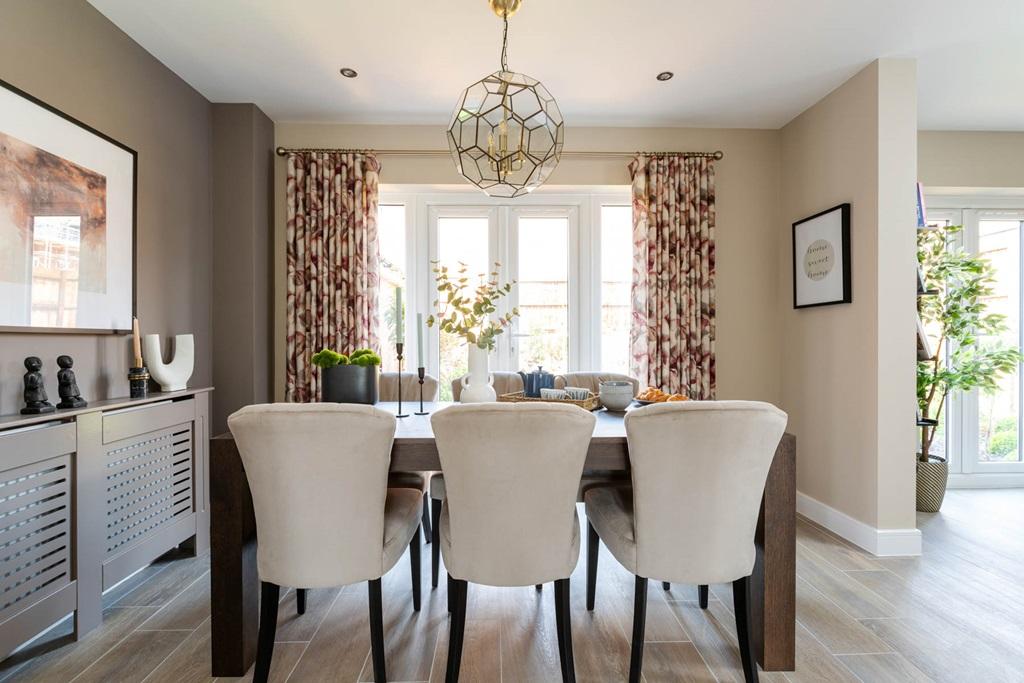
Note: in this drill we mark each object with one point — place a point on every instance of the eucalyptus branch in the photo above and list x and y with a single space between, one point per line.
467 310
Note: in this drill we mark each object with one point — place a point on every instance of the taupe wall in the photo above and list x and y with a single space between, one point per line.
242 177
971 159
67 54
747 185
848 382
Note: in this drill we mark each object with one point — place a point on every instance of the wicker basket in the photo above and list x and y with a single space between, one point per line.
931 484
590 403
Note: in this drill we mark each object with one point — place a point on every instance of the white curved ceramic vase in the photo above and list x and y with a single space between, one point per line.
478 383
171 376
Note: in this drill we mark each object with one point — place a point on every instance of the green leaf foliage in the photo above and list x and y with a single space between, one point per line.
328 358
469 310
966 355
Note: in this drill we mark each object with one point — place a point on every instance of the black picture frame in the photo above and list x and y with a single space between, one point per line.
845 265
29 329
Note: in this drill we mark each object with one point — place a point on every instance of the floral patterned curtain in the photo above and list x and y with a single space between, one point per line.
672 328
333 261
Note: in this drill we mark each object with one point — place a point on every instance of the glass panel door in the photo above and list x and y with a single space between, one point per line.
540 335
616 282
999 410
460 238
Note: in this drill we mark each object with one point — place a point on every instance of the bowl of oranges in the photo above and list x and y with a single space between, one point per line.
654 395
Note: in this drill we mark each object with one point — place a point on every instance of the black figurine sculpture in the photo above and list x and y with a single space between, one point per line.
36 402
67 386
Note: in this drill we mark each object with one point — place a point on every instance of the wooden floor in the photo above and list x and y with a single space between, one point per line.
956 614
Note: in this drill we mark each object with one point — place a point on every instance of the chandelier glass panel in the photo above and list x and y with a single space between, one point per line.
506 133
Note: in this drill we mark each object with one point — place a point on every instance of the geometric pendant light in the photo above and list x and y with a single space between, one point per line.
506 133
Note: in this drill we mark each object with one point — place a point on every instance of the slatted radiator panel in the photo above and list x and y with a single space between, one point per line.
35 532
149 485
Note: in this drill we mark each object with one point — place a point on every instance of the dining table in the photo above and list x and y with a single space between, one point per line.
235 583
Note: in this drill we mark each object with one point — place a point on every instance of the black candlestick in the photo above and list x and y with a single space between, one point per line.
421 372
398 348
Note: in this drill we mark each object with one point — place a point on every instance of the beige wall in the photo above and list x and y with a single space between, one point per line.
971 159
747 189
848 381
68 55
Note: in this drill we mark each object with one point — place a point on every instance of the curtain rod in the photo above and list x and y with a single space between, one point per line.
283 151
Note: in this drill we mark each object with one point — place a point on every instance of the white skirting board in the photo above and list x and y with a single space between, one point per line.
879 542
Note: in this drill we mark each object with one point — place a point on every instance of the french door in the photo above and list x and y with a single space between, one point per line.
537 248
983 429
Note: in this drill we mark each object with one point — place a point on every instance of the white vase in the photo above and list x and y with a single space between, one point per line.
478 383
171 376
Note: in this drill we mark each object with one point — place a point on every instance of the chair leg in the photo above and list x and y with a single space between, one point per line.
426 521
666 585
593 550
563 622
435 546
451 593
300 600
270 595
414 566
741 605
456 630
702 596
377 631
636 656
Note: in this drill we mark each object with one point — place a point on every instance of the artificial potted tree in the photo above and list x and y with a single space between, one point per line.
953 309
351 378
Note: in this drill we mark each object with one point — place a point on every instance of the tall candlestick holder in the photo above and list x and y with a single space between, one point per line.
421 374
399 347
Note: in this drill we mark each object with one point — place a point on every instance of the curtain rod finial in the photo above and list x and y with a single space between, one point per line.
280 151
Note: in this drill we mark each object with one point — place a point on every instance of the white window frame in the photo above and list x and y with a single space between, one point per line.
966 470
581 205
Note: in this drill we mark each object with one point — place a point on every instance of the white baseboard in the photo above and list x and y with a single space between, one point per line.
879 542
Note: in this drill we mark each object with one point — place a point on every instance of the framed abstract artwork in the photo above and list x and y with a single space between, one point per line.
821 259
67 222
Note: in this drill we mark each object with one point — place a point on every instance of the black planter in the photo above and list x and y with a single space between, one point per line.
349 384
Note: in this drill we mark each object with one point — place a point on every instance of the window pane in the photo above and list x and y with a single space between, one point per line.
459 240
616 279
391 235
543 292
998 428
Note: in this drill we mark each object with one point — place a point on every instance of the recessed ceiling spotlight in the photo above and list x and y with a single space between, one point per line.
351 73
665 75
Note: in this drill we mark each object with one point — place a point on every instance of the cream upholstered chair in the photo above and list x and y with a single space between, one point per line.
504 383
699 470
509 518
324 515
388 391
592 380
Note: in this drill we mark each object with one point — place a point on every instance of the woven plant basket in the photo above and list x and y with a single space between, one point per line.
931 484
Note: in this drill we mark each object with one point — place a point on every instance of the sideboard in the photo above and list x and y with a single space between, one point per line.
89 496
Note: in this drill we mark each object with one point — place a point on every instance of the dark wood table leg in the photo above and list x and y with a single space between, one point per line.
234 581
773 585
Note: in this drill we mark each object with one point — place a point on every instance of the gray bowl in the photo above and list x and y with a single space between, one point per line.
616 395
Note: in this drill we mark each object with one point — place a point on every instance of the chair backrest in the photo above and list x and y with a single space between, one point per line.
511 472
699 470
592 380
504 383
318 474
410 387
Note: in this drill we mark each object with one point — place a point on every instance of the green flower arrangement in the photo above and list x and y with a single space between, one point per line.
467 311
328 358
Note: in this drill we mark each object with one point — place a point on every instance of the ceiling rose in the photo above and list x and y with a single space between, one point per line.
506 134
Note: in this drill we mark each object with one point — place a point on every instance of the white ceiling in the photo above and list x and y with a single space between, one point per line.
738 63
